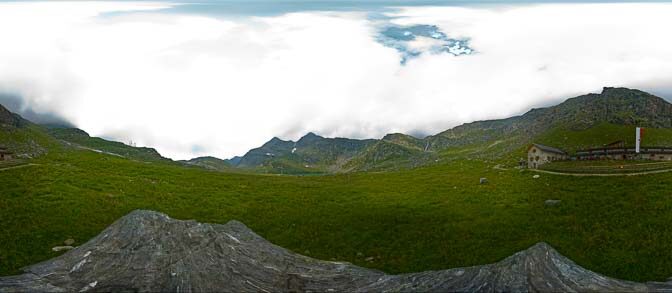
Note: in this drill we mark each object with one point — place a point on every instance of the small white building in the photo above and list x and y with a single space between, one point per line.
538 155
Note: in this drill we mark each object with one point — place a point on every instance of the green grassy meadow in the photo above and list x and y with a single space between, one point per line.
571 140
607 166
429 218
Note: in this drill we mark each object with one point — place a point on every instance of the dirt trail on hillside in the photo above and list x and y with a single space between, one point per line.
18 166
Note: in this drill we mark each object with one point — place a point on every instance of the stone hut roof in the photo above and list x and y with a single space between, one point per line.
548 149
5 151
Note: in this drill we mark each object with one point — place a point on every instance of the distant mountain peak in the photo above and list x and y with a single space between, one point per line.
309 137
206 158
275 141
395 135
608 91
209 162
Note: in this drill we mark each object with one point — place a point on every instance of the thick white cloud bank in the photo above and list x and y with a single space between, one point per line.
193 85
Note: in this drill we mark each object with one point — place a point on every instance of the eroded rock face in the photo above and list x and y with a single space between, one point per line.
148 251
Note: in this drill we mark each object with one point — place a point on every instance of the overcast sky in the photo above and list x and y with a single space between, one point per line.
219 78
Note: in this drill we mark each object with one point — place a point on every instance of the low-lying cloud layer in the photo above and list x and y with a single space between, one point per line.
191 85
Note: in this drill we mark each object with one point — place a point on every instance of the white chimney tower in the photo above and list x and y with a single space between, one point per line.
638 138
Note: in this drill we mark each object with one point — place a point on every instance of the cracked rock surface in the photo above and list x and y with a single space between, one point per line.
148 251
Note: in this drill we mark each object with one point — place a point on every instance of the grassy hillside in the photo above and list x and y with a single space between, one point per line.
22 137
79 138
26 141
607 167
386 155
428 218
310 154
210 163
573 139
406 141
434 216
583 118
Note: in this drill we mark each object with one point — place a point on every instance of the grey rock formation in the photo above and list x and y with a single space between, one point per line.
148 251
60 248
552 202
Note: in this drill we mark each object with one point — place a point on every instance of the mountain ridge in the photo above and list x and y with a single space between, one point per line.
492 138
210 163
81 139
8 118
315 154
311 153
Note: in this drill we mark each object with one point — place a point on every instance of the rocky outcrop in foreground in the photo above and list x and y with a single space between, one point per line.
148 251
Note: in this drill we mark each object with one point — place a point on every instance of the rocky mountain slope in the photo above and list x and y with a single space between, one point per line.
489 138
29 140
311 153
210 163
22 137
78 138
9 119
150 252
614 105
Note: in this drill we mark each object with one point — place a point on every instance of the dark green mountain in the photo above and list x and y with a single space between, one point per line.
28 140
616 109
584 121
9 119
78 138
613 105
210 163
310 154
406 141
22 137
388 155
617 106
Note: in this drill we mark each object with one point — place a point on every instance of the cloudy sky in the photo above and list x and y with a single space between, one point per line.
219 78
